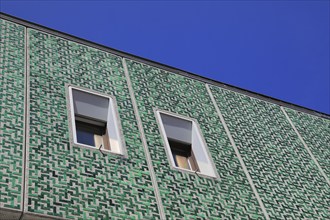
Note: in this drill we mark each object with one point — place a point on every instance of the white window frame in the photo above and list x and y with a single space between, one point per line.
113 123
209 170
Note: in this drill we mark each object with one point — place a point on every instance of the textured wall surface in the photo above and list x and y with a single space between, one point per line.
71 181
12 67
68 181
315 132
286 177
185 194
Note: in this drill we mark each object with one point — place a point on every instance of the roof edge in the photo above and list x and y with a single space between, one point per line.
165 67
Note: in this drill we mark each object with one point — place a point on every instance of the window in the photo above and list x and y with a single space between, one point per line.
184 143
94 121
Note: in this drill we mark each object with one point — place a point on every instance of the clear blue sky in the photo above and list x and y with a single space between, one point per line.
276 48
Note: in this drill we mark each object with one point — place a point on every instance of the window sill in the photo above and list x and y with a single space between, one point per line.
183 170
105 152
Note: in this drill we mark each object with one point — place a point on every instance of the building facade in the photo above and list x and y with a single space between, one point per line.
172 145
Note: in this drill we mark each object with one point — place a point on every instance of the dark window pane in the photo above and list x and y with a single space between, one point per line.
86 132
85 137
181 148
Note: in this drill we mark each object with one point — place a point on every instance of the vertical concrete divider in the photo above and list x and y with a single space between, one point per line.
223 122
144 142
305 145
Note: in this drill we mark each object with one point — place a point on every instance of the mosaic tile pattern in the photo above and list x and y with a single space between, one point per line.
77 183
185 195
70 181
315 131
12 62
288 181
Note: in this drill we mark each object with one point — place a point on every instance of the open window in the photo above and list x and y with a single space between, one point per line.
184 143
94 121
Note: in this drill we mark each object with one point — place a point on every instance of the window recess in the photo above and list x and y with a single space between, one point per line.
94 121
184 144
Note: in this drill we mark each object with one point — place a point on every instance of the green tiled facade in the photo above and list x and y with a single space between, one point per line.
287 179
12 68
64 180
189 196
315 131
